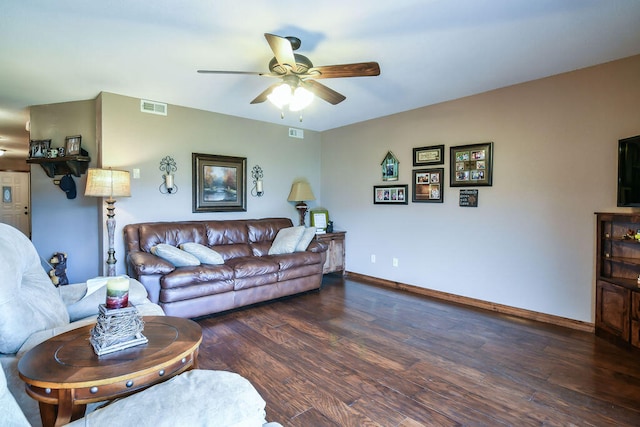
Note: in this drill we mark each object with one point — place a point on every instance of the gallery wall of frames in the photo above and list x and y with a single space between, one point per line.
469 166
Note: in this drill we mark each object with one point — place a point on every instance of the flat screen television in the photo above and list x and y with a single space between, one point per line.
629 171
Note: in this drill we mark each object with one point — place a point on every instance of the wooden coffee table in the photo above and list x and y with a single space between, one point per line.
64 374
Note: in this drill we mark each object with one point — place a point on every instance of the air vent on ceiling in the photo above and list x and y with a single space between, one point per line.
153 107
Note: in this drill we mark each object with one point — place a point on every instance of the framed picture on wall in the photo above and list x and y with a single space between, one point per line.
427 185
390 167
471 165
390 194
219 183
432 155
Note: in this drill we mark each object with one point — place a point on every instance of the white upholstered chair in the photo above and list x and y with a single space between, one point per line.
32 310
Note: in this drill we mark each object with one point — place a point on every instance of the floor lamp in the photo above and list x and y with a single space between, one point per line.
109 183
301 192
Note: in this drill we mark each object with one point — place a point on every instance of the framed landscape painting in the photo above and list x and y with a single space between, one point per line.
219 183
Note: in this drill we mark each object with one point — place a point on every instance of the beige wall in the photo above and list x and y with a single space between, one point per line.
132 139
59 224
530 242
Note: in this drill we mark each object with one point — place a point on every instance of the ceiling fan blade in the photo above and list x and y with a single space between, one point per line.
322 91
263 96
360 69
253 73
282 50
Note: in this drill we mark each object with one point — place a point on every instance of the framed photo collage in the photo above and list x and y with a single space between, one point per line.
470 166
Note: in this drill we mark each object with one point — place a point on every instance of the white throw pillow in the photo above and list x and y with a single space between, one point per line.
286 240
205 254
175 256
307 237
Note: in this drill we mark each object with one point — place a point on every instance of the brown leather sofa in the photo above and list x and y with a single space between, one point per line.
248 275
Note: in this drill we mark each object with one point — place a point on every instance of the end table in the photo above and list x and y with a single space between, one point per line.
64 374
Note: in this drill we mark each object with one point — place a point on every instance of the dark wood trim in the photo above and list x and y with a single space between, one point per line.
472 302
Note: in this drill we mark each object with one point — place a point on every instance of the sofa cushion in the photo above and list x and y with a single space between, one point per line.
306 238
235 250
171 233
204 254
175 256
296 259
286 240
11 413
204 273
194 398
28 300
252 266
266 229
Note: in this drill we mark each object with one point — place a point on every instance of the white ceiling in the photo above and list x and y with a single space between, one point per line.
429 51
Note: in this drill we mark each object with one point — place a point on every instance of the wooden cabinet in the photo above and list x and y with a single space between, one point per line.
617 278
335 253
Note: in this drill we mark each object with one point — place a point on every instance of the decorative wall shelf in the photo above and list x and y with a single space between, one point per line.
76 165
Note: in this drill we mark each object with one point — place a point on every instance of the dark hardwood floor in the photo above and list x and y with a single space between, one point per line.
355 354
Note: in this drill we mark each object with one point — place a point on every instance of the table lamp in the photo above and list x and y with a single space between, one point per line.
109 183
301 192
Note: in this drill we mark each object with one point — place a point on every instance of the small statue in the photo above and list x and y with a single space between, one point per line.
58 274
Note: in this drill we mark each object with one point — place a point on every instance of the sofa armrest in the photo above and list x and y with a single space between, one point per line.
316 246
143 263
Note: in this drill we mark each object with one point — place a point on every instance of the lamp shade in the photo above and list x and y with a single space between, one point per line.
300 192
108 183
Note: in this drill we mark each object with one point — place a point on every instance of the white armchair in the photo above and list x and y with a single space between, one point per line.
32 310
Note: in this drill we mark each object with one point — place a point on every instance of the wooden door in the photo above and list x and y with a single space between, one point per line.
15 207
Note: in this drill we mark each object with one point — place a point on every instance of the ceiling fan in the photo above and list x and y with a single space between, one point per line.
298 75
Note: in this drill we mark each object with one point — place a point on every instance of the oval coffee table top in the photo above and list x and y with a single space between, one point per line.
69 361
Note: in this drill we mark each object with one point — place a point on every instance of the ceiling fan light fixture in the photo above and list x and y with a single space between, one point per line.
281 95
301 99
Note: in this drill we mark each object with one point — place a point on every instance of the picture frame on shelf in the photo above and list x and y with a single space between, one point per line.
431 155
319 219
390 194
39 148
471 165
427 185
219 183
73 145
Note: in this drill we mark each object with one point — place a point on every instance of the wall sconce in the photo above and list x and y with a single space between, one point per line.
168 165
256 174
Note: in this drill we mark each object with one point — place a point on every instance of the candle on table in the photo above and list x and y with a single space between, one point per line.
117 292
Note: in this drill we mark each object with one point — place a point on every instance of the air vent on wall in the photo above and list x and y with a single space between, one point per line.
296 133
153 107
